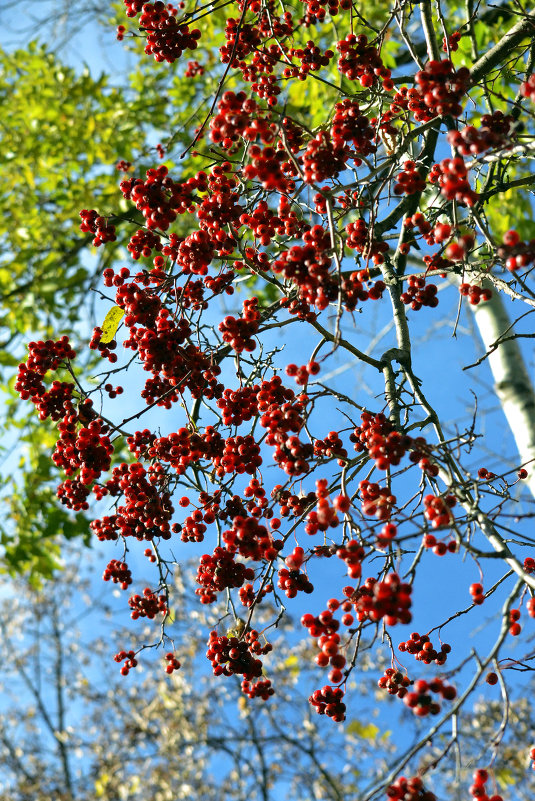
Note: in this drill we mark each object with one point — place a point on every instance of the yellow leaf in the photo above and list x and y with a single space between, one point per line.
111 324
134 784
293 664
505 777
292 661
368 731
100 785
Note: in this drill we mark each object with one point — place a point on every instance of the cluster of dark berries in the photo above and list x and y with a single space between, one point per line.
421 647
409 790
475 293
328 701
420 697
394 682
119 573
438 509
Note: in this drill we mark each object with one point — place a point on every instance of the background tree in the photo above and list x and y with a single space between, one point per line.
69 735
391 175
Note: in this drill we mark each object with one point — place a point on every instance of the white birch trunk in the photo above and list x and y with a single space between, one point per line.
512 382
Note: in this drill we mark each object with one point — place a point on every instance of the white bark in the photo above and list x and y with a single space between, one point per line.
512 382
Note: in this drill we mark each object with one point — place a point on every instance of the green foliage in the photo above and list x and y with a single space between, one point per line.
59 145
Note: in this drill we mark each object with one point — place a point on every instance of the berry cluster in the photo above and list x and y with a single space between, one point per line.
311 58
240 42
240 455
248 595
147 508
360 238
240 405
419 293
451 42
324 516
142 243
478 594
293 581
88 450
351 126
376 500
330 447
308 267
377 436
420 698
172 663
183 447
438 547
251 539
263 223
352 553
389 600
106 350
53 403
239 332
239 116
441 87
147 605
527 89
219 571
166 38
316 10
409 790
160 340
478 789
129 659
438 510
323 158
514 626
475 293
261 688
49 355
431 234
410 99
268 166
394 682
529 564
360 61
159 198
328 701
94 223
516 253
193 69
409 182
452 177
421 647
302 373
119 573
494 131
230 656
325 627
